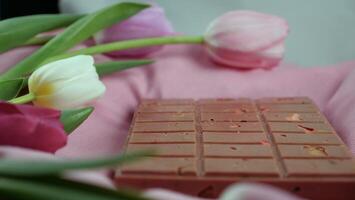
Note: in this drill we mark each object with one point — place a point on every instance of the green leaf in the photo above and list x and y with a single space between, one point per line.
71 119
38 40
74 34
10 88
110 67
11 167
59 189
16 31
124 193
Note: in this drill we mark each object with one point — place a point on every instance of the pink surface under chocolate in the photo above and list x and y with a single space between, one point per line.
203 146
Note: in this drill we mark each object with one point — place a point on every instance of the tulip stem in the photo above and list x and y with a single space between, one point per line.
23 99
131 44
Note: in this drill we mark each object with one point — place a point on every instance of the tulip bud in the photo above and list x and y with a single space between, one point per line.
66 83
31 127
150 22
247 39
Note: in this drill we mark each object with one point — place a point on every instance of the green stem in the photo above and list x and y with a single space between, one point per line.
122 45
131 44
23 99
39 40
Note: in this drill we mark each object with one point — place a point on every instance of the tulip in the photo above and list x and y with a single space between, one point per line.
241 39
64 84
31 127
247 39
150 22
67 83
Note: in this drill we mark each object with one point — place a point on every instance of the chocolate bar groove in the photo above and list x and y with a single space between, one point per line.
199 142
277 157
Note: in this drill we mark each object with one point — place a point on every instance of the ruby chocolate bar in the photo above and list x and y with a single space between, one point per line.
204 146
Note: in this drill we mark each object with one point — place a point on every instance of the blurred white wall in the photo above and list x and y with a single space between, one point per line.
322 31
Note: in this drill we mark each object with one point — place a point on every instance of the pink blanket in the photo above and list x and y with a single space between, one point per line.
186 72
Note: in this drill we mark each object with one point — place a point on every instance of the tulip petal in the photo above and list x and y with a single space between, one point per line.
247 39
151 22
60 70
247 30
73 93
30 132
8 109
274 52
67 83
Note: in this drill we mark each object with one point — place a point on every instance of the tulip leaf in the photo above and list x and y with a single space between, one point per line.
110 67
71 119
61 189
18 30
38 40
77 32
30 168
10 88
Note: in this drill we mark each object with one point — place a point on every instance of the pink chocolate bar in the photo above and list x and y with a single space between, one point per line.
206 145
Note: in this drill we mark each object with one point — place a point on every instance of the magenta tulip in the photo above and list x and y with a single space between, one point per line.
150 22
31 127
247 39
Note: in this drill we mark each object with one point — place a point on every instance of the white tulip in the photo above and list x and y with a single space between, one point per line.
66 83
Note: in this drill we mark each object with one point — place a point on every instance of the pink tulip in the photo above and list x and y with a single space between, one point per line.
150 22
31 127
247 39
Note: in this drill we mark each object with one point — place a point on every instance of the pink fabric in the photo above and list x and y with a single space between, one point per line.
186 72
